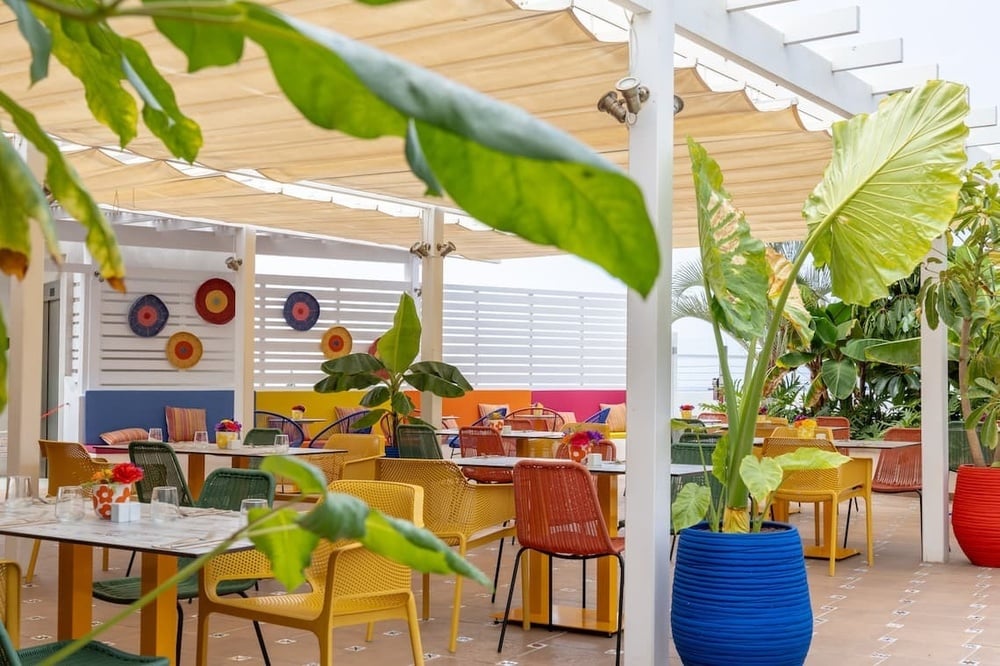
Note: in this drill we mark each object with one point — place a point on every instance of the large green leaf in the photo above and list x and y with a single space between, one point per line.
840 377
690 505
897 352
288 548
23 201
810 457
735 269
38 38
762 476
891 188
439 378
203 32
399 346
795 311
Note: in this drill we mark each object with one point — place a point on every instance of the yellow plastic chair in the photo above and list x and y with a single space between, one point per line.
363 452
347 584
829 487
69 465
459 512
821 432
10 601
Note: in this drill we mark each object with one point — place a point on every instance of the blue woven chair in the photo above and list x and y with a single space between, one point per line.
273 420
224 488
341 425
600 416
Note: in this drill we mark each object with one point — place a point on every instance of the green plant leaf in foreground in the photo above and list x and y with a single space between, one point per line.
891 188
399 346
763 476
690 505
38 38
288 548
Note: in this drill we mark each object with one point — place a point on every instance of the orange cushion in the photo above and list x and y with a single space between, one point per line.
183 423
485 409
125 435
568 417
616 417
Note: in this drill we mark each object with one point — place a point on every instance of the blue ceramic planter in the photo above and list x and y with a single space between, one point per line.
741 598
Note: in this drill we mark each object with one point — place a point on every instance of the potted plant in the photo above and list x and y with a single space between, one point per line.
391 367
903 162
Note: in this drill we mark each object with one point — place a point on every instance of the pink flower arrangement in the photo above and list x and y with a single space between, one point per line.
124 472
582 438
228 425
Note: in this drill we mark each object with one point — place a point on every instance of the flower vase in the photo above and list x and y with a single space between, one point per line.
224 437
806 432
106 494
578 453
686 413
298 414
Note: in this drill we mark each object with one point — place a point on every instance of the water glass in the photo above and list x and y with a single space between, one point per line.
251 503
155 435
163 506
201 439
18 492
281 443
70 504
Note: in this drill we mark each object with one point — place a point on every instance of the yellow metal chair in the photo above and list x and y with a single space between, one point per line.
820 432
10 599
363 451
829 487
69 465
347 584
459 512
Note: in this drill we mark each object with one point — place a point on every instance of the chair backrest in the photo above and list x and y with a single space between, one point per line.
605 447
899 469
275 421
539 418
260 436
69 464
399 500
10 604
417 441
225 487
8 651
776 446
184 422
820 432
716 417
557 509
480 441
159 468
600 416
897 434
585 425
841 425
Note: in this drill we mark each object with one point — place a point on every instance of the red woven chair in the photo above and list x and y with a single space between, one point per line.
483 441
558 514
896 434
540 418
840 425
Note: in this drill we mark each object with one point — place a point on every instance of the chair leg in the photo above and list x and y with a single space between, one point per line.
868 529
131 561
201 650
411 622
260 637
832 536
583 585
106 559
180 632
510 598
456 608
496 574
426 603
847 525
30 574
621 609
550 593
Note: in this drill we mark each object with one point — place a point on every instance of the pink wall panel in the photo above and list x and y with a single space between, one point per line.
583 402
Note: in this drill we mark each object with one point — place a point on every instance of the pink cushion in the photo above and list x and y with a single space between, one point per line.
616 417
183 423
485 408
125 435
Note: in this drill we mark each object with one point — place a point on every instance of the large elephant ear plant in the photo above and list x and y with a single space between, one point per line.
890 189
386 372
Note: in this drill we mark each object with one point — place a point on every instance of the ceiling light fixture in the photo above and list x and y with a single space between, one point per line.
233 264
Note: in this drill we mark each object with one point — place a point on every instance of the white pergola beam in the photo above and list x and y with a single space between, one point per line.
834 23
982 116
871 54
983 136
888 81
759 47
741 5
635 6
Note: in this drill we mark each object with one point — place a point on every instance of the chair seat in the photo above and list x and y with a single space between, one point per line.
301 606
93 654
127 590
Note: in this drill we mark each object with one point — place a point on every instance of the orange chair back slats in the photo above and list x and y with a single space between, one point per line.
605 447
483 441
540 418
557 509
764 429
896 434
596 427
718 417
898 470
841 425
520 424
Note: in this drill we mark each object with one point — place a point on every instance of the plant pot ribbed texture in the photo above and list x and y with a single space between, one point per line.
974 515
741 598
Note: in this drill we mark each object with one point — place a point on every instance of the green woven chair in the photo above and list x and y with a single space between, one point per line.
93 653
159 468
260 436
224 489
417 441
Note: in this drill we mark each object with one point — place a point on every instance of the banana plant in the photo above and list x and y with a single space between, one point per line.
391 367
890 189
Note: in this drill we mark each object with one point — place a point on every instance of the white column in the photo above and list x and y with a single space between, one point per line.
432 306
934 424
647 506
243 333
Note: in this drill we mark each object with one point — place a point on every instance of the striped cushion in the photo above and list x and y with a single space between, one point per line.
356 412
616 417
124 436
183 423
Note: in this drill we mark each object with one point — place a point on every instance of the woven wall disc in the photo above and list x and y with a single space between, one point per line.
215 301
336 342
301 310
184 350
147 316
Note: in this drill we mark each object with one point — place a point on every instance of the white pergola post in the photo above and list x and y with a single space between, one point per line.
647 506
243 327
432 305
934 424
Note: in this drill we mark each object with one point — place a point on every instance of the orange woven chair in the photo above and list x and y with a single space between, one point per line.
833 486
539 418
347 584
460 513
897 434
69 465
483 441
558 514
841 425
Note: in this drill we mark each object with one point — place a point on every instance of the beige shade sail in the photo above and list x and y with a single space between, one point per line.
544 62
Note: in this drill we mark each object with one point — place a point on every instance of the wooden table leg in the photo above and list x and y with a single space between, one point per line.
76 574
158 620
196 474
607 567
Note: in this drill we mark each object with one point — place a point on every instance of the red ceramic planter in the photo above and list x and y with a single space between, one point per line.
974 515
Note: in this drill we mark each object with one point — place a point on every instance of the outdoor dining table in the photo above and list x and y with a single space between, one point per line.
195 532
522 445
240 457
604 616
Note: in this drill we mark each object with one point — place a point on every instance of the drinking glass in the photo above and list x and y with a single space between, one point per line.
155 435
69 504
18 492
251 503
163 506
281 443
201 439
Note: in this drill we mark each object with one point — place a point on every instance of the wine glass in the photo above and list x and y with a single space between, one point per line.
69 504
201 439
156 434
164 505
281 443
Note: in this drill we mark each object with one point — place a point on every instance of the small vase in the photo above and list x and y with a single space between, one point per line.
107 494
578 453
224 437
298 414
686 413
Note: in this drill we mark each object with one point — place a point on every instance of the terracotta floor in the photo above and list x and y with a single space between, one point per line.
899 612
